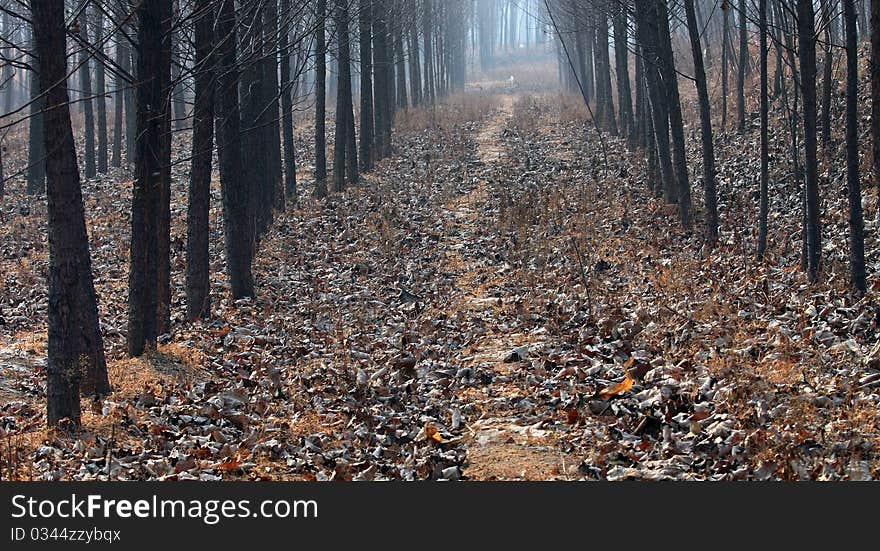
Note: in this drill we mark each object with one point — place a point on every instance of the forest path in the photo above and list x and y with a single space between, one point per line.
498 445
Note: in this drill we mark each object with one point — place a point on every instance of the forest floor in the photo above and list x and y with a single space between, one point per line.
466 313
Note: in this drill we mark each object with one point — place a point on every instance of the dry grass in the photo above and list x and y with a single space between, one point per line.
454 111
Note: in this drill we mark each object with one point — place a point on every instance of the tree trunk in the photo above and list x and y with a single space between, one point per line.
827 78
705 124
646 29
287 57
624 93
344 115
807 60
100 93
741 73
400 70
383 83
365 26
725 57
36 170
73 319
875 91
144 270
676 124
85 78
198 285
123 59
765 146
321 100
856 223
236 192
131 112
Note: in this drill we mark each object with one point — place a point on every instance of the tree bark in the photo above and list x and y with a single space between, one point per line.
741 73
705 124
198 286
365 26
236 192
100 93
73 320
856 223
287 57
875 90
321 100
85 77
807 61
765 146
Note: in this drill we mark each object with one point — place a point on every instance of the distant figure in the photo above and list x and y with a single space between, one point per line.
511 82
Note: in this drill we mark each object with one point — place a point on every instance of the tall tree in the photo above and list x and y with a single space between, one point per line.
676 123
621 58
85 82
144 271
765 145
365 29
74 331
875 90
807 60
705 124
856 223
36 169
123 60
287 58
647 32
198 302
100 93
237 195
344 114
741 69
320 99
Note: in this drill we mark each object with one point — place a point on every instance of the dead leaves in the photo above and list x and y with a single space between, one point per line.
621 387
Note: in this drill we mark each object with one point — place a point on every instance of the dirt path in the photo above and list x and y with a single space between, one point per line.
497 446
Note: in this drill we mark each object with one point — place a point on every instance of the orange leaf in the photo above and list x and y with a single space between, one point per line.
618 388
222 332
433 434
229 466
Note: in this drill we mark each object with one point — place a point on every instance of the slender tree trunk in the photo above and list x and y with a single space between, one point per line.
676 124
400 70
383 83
827 78
100 92
235 188
705 124
36 170
743 62
163 311
321 100
131 112
624 93
123 59
85 78
856 223
287 57
365 26
177 100
875 90
198 285
271 123
344 115
807 59
765 146
646 25
725 57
